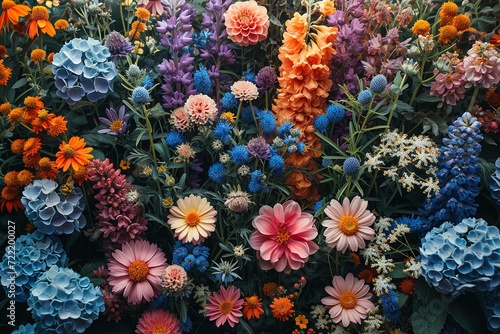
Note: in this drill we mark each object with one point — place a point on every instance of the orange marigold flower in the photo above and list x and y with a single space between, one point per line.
447 33
326 7
461 22
421 27
5 108
50 57
32 104
32 146
12 12
73 154
137 28
10 199
47 169
5 73
39 18
3 51
80 175
16 115
270 289
252 307
42 121
408 285
10 179
124 164
61 24
367 274
282 308
17 146
25 177
448 11
142 13
31 161
301 321
57 126
38 55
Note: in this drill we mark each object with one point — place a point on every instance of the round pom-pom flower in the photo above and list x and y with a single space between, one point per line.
348 300
378 83
349 224
140 95
321 123
335 113
62 301
158 321
53 212
462 258
283 237
365 96
35 253
351 166
247 23
83 67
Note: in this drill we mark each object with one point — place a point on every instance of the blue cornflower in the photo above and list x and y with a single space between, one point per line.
239 154
140 95
202 81
179 253
351 166
188 256
189 262
249 75
201 263
267 123
390 305
200 250
276 162
217 173
147 82
365 96
335 113
318 206
321 123
229 101
284 129
378 83
223 131
174 139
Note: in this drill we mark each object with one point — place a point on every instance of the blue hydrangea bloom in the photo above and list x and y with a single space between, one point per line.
217 173
351 166
140 95
490 303
52 212
321 123
35 253
27 329
378 83
256 181
202 81
229 101
174 139
365 96
61 301
267 123
495 182
239 154
335 113
223 131
461 258
390 305
83 67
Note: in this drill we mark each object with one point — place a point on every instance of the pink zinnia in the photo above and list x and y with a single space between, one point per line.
225 306
158 321
349 300
247 23
154 6
245 90
200 108
136 270
349 225
283 237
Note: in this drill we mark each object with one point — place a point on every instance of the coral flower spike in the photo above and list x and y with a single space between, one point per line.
73 154
39 18
12 12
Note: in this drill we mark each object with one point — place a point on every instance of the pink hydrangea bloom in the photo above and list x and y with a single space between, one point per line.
283 237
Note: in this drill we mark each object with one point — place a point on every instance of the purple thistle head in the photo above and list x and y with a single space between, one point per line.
259 148
116 122
118 45
266 79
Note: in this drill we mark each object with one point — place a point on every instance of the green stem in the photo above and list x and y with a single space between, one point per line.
473 98
238 114
401 85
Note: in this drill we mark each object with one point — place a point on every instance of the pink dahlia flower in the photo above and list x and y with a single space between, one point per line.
158 321
180 120
245 90
283 237
349 300
349 224
247 23
482 70
154 6
174 278
225 306
200 108
449 86
136 269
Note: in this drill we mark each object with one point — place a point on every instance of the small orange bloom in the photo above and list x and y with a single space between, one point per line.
3 51
301 321
42 121
447 33
10 179
57 126
16 115
270 289
142 13
5 108
282 308
5 73
25 177
80 175
355 258
32 146
408 285
17 146
10 199
252 307
12 12
367 274
448 11
124 164
39 18
37 55
61 24
421 27
32 105
31 161
50 57
47 169
326 7
137 28
461 22
73 154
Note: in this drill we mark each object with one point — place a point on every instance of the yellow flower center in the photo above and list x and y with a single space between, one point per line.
192 218
348 225
159 329
8 4
348 300
45 164
116 125
252 301
43 115
282 236
30 102
138 270
226 307
68 151
39 13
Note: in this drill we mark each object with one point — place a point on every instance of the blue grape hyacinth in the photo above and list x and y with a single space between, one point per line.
34 254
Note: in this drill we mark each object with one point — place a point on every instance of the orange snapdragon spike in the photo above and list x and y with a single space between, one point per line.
39 21
11 13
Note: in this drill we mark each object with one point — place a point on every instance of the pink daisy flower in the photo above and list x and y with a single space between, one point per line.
283 237
349 225
200 108
349 300
158 321
136 270
225 306
154 6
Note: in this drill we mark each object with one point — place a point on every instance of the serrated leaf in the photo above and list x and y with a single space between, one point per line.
467 311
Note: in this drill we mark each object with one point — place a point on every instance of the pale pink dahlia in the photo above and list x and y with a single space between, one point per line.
225 306
200 108
174 278
154 6
283 237
136 270
349 300
349 224
245 90
158 321
247 23
180 120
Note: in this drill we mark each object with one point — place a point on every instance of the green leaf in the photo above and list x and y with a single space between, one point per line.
246 327
467 311
427 98
428 318
19 83
424 292
398 271
184 310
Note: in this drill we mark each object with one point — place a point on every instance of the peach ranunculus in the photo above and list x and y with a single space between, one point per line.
247 23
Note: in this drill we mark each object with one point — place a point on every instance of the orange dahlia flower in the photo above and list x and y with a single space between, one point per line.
39 18
5 73
247 23
12 12
73 154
